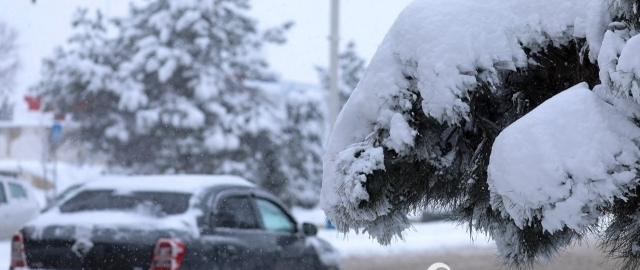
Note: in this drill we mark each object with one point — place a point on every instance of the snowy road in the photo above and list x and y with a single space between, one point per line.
434 238
578 258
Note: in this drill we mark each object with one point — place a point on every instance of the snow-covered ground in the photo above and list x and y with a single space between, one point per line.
315 216
437 237
5 253
433 237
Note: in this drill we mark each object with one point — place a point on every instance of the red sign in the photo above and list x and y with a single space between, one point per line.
34 103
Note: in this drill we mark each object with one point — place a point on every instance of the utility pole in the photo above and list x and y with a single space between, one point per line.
334 101
107 6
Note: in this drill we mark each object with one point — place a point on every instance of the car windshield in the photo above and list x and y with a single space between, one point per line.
150 203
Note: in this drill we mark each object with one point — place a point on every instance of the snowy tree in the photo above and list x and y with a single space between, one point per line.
304 134
350 70
172 88
9 63
494 118
8 58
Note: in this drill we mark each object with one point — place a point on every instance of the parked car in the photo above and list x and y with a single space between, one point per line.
17 206
431 215
169 223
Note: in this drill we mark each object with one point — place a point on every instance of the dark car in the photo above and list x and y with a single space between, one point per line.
168 223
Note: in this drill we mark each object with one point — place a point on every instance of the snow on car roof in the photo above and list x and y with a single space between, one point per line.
172 183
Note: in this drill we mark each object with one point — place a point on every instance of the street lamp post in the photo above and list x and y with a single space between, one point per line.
334 101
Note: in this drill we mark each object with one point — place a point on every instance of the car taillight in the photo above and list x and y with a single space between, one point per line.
18 257
168 254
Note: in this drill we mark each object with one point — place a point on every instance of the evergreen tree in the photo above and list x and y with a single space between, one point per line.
372 181
173 91
9 63
302 153
351 66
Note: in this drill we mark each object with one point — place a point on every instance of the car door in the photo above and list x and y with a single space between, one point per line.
7 213
282 233
236 233
22 202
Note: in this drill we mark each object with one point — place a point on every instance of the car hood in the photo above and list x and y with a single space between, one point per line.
55 224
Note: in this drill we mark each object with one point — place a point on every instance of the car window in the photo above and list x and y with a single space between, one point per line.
63 196
274 218
235 212
16 191
70 190
151 203
3 194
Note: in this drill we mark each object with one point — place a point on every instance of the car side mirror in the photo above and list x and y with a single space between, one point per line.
309 229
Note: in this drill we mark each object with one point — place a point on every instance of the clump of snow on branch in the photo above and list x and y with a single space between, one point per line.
580 153
353 192
626 77
400 133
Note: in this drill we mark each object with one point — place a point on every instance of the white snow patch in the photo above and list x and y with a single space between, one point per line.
175 183
400 134
116 219
314 216
5 254
186 115
133 99
166 71
118 130
218 140
207 87
599 18
188 18
630 57
612 45
558 163
627 73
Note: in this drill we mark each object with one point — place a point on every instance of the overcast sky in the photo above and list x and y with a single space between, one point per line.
46 24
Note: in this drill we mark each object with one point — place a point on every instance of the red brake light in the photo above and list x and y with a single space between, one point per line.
18 256
168 254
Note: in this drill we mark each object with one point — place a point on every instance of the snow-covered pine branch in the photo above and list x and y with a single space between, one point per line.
460 105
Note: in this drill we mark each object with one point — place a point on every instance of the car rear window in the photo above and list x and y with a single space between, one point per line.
152 203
